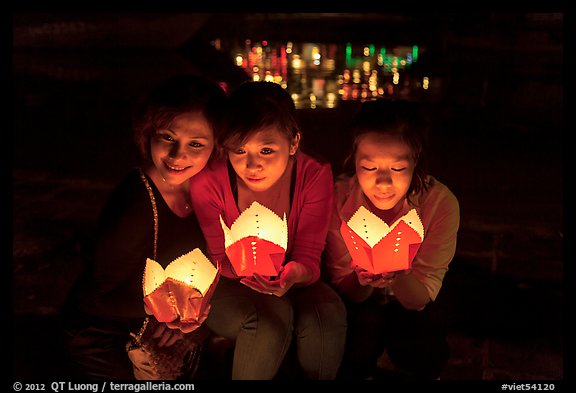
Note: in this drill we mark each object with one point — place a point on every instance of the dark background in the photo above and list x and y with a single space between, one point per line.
497 142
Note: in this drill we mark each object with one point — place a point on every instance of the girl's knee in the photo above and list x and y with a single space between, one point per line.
328 315
274 313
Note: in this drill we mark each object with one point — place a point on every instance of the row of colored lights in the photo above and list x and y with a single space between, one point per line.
264 62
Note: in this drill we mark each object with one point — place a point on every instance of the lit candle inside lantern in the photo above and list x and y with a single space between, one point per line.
256 242
182 291
379 248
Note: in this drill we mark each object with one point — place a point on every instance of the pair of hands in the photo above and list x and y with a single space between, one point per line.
291 273
168 333
381 280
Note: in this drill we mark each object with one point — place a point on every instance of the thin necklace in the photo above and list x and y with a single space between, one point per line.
186 200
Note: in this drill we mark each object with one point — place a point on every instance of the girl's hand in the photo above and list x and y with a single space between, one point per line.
374 280
184 327
290 274
167 336
187 327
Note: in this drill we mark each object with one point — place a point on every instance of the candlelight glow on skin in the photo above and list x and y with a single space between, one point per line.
147 216
385 167
261 136
263 158
392 236
182 149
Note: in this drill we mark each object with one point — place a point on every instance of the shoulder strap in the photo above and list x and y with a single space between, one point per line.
154 209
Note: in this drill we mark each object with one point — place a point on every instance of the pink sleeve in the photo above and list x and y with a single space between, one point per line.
313 198
208 199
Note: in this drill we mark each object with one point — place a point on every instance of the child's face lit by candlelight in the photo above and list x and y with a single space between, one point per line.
384 166
182 149
262 160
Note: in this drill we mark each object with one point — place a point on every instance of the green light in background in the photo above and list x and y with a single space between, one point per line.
372 49
414 53
348 54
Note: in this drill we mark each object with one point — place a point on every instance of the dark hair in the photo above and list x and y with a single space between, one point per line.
173 97
255 105
403 119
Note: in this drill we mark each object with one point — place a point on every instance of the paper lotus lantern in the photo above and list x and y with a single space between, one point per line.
379 248
182 291
256 242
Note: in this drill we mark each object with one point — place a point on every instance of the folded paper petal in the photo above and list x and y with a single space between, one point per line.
256 242
174 300
379 248
254 255
182 291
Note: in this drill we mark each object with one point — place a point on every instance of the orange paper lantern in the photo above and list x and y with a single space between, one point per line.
182 291
379 248
256 242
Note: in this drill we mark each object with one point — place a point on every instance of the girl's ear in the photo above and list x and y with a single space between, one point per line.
294 143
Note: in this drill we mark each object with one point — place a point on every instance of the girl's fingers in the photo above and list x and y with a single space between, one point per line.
172 337
159 331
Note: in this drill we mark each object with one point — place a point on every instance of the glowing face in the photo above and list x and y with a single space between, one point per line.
263 158
181 150
384 166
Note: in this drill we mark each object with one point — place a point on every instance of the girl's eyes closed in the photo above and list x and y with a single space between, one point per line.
370 168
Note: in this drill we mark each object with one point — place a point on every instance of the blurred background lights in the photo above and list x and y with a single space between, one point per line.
320 75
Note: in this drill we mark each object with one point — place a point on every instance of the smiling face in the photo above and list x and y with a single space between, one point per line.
263 158
384 166
182 149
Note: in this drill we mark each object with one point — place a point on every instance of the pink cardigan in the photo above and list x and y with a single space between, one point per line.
211 195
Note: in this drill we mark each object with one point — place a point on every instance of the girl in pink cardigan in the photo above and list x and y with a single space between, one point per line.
264 315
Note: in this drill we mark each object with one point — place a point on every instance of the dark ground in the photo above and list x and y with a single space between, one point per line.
502 158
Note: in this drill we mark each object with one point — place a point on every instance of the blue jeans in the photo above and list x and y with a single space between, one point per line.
312 318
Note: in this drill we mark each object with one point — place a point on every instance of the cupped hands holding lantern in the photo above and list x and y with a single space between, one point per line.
179 296
290 274
263 210
256 246
148 214
379 280
168 333
392 237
